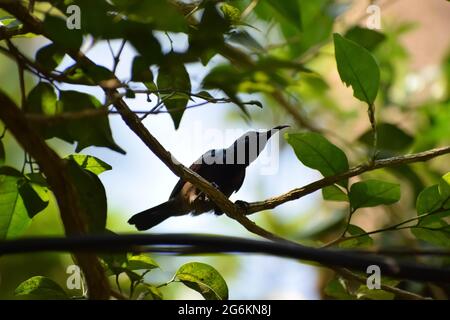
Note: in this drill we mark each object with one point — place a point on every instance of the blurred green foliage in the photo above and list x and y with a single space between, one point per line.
282 56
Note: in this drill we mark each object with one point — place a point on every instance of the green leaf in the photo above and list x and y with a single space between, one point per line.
40 288
14 218
133 276
371 193
357 68
208 36
368 38
444 190
316 152
226 78
35 197
364 292
337 289
174 78
10 171
288 10
88 132
2 153
91 75
90 163
152 292
231 13
386 144
42 99
96 18
92 196
140 70
434 231
406 173
57 31
334 193
142 38
114 263
204 279
317 23
160 13
428 220
244 38
49 56
100 74
10 22
37 178
364 241
205 95
429 200
140 262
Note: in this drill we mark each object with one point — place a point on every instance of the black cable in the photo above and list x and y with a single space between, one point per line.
221 244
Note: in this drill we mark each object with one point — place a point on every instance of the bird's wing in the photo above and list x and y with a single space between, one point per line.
196 167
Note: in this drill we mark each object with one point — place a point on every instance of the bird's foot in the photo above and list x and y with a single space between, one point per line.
243 205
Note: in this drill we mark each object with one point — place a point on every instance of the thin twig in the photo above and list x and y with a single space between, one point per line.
117 56
355 171
397 226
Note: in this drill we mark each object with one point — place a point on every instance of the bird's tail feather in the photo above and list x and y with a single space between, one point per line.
151 217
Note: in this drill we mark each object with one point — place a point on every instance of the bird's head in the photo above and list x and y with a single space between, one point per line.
248 147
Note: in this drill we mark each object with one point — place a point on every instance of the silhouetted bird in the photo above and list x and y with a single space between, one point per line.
224 168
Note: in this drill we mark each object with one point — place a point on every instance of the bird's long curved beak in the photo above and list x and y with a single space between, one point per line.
281 127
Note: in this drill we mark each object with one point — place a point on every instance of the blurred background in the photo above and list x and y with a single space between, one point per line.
417 46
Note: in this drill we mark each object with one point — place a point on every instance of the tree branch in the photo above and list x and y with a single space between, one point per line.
61 185
6 33
327 181
221 244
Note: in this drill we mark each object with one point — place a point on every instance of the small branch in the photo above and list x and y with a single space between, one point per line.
221 244
116 57
249 9
31 6
174 91
327 181
373 124
397 226
406 252
36 69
